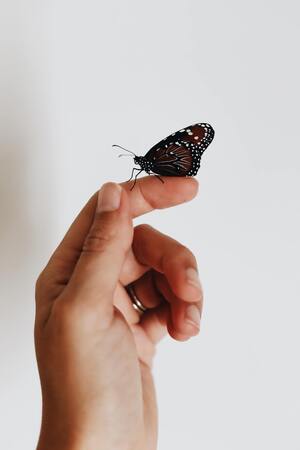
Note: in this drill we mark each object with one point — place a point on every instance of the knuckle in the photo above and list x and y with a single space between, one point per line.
141 228
183 250
78 315
94 243
99 237
199 304
186 253
180 253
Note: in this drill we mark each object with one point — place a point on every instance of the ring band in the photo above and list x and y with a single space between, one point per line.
136 303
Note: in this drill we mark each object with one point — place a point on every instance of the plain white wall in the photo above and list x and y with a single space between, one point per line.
78 76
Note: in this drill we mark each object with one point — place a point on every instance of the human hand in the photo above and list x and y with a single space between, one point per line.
94 351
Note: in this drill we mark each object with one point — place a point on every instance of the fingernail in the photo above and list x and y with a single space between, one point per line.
193 315
109 197
193 278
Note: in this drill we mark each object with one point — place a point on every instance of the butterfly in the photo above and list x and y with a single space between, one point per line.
177 155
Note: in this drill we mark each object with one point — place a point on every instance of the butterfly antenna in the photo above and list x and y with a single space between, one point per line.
124 154
119 146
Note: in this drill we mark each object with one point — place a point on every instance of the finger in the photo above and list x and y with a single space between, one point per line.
185 317
152 328
153 290
149 194
166 255
156 324
97 271
145 290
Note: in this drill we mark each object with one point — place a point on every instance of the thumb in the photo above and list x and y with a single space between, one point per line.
104 250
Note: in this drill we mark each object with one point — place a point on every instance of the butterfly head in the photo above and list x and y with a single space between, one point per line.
138 160
144 163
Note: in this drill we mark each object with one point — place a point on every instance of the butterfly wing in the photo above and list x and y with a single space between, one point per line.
180 153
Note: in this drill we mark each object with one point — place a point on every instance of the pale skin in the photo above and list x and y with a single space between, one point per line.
94 350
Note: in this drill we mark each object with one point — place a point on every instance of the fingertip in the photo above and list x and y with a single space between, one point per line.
184 189
177 336
195 184
173 190
109 197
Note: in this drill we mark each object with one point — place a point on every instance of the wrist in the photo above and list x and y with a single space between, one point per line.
49 439
67 437
65 429
61 434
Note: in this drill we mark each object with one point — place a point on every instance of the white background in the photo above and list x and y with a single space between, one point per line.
78 76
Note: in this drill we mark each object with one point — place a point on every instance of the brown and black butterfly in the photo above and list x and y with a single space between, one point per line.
178 155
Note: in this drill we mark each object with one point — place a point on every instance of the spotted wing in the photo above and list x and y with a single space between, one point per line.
180 153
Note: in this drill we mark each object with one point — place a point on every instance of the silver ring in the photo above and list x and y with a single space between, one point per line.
136 303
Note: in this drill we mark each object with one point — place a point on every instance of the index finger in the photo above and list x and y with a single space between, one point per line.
149 194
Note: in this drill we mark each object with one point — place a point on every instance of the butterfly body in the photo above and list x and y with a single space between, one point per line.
144 164
177 155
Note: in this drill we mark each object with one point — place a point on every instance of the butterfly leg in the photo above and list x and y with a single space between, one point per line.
135 168
152 173
159 178
141 170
